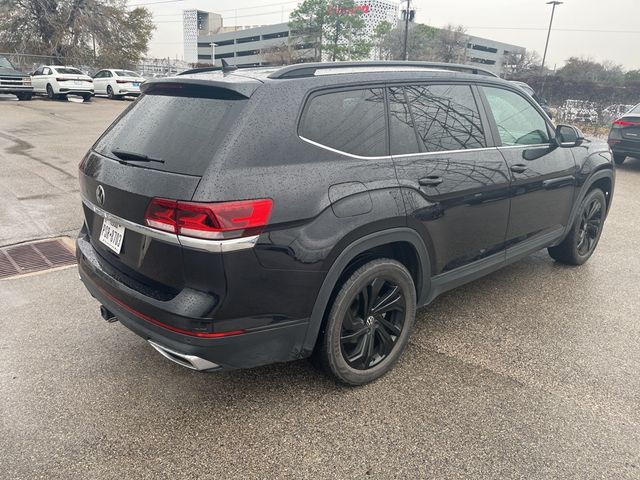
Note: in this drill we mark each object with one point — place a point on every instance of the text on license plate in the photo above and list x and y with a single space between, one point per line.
112 235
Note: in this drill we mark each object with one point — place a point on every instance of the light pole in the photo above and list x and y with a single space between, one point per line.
213 53
405 52
553 11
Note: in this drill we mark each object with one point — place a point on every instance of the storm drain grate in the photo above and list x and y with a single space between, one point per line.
33 257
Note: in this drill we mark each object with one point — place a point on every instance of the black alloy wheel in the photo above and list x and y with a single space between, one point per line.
372 324
369 322
50 93
110 94
582 239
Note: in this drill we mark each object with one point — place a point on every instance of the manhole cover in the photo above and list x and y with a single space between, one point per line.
34 257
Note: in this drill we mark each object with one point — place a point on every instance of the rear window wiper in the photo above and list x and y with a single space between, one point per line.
134 157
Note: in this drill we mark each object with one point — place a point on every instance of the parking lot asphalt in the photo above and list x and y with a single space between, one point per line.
532 372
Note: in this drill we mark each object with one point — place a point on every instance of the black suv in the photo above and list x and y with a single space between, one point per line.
624 137
239 218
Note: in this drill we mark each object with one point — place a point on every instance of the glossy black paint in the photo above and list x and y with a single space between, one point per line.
450 216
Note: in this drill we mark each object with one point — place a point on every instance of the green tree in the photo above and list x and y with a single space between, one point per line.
419 42
632 76
69 29
450 44
334 29
580 68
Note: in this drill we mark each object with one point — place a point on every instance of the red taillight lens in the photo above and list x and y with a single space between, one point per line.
209 220
161 215
625 123
59 79
122 81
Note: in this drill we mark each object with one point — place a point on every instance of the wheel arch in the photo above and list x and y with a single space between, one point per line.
402 241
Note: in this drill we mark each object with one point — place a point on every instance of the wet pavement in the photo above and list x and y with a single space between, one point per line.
531 372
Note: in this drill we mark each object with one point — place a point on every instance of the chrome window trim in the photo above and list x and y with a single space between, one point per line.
404 155
536 145
219 246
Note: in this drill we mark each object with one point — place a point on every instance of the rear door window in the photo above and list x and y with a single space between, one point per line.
175 133
351 121
446 117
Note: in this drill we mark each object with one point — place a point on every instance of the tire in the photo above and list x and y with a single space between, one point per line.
50 94
582 239
24 96
358 320
619 158
110 93
86 97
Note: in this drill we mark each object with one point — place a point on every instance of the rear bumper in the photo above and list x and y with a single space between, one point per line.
626 148
76 89
254 347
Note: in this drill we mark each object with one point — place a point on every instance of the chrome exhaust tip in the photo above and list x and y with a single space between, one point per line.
188 361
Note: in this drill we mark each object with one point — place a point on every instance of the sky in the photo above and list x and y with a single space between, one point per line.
596 29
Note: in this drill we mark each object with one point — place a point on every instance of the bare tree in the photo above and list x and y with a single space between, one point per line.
286 54
450 44
517 63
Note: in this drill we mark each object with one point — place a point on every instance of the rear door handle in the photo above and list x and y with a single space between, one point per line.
518 168
432 181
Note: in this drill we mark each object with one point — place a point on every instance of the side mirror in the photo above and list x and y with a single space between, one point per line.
568 136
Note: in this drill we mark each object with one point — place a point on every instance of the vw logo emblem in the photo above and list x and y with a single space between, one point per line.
100 195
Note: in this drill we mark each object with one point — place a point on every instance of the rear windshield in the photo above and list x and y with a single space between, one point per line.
69 71
126 73
177 134
635 109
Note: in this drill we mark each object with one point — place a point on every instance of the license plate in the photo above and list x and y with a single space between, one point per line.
77 82
112 235
136 84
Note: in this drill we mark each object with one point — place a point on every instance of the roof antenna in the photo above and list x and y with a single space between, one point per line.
226 67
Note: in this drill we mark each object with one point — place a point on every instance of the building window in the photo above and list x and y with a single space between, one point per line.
222 43
482 48
204 57
204 45
246 53
248 39
224 55
482 61
269 36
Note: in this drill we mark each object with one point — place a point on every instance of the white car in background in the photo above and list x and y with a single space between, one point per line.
57 81
117 83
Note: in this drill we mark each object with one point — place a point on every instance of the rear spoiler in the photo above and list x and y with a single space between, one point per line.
203 86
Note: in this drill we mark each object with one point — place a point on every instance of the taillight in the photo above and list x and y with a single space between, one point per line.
625 123
60 79
122 81
213 221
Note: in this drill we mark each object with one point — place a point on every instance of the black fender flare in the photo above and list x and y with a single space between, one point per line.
377 239
584 189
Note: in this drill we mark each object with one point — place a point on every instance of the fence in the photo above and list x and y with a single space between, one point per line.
27 63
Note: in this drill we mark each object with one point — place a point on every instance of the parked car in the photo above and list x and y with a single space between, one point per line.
117 84
540 100
58 81
13 81
246 217
614 112
624 137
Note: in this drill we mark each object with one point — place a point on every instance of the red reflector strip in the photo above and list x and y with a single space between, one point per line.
181 331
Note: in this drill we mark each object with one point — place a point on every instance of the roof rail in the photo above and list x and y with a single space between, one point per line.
309 69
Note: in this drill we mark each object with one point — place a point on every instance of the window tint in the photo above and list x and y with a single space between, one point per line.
402 131
446 117
69 71
350 121
184 132
519 123
125 73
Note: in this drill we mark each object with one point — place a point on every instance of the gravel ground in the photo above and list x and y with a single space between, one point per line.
531 372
